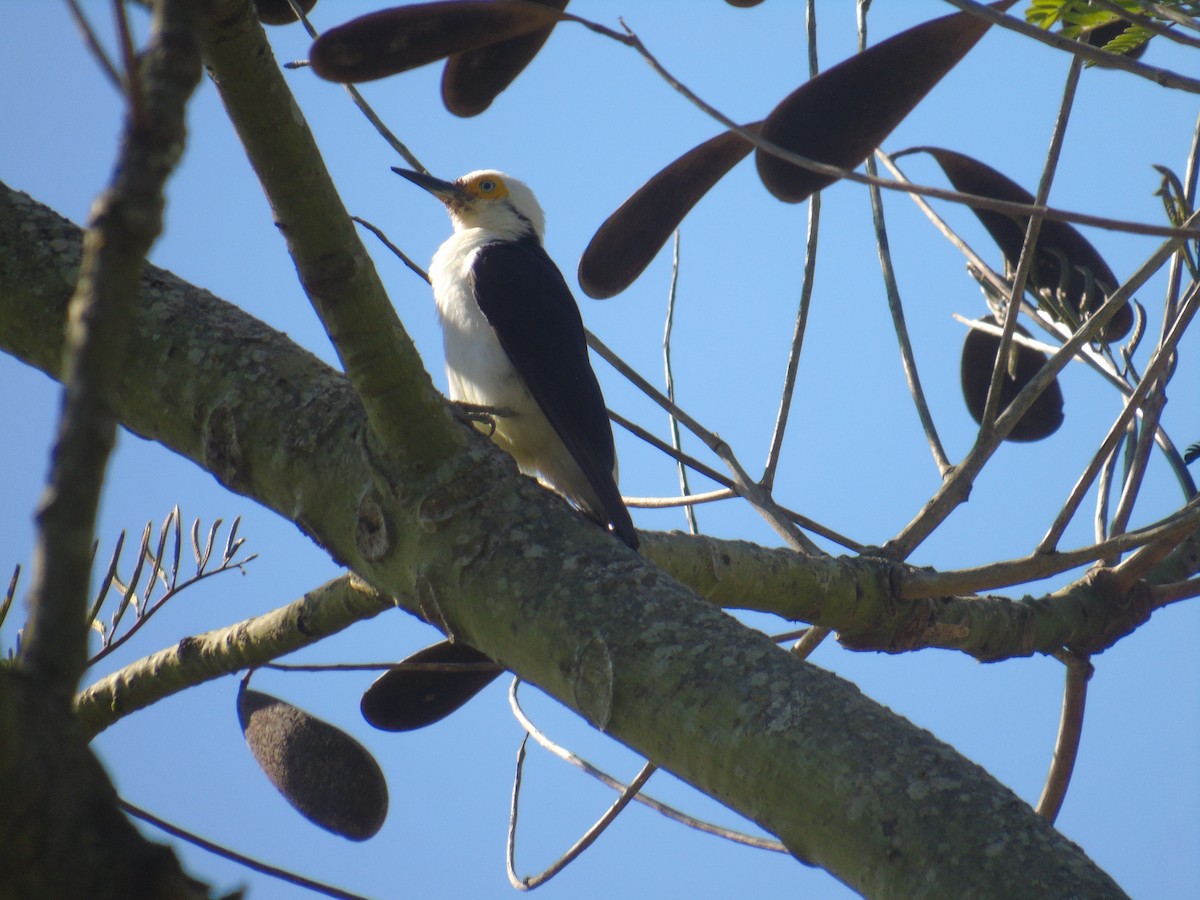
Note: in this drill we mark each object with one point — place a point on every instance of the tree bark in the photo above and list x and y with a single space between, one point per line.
492 558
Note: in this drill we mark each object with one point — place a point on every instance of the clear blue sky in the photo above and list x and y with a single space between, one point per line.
585 125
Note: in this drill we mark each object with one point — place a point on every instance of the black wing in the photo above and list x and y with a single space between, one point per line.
527 302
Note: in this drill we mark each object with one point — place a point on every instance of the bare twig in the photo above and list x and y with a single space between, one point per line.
1079 49
1070 726
1000 366
685 500
670 812
1158 362
761 499
233 856
400 254
365 108
93 42
673 424
918 584
588 838
124 223
806 289
810 641
955 489
1152 25
973 200
907 360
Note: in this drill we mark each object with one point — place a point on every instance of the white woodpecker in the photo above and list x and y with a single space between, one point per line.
515 345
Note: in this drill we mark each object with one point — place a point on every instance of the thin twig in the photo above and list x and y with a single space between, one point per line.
659 444
975 201
1000 368
588 838
1158 362
1078 49
673 423
239 858
783 524
1070 726
685 500
1174 279
919 584
1146 22
954 489
1151 409
365 108
670 812
806 289
93 42
400 254
1166 594
908 360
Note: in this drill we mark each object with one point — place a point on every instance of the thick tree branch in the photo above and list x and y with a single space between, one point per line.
517 574
61 832
337 274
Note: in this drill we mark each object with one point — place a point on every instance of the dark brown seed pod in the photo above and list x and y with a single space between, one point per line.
1088 281
474 78
395 40
323 772
844 113
979 357
632 236
405 698
280 12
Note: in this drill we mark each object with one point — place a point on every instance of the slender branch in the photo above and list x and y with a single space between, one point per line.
204 657
907 359
673 423
685 500
1152 25
93 42
1166 594
589 837
400 254
1158 363
761 499
365 108
1028 255
806 288
335 271
973 200
124 223
1079 49
1070 727
604 778
955 489
918 583
810 641
239 858
1175 276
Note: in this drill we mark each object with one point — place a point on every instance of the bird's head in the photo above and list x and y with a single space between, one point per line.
486 199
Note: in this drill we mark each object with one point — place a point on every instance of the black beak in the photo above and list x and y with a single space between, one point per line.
446 191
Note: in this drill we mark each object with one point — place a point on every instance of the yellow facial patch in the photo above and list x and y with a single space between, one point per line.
484 186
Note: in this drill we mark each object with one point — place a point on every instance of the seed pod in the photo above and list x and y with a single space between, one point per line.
323 772
405 698
844 113
280 12
474 78
979 357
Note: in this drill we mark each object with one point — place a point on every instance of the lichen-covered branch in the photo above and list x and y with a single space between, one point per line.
514 572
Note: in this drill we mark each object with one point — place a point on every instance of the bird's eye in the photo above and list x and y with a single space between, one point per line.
487 186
